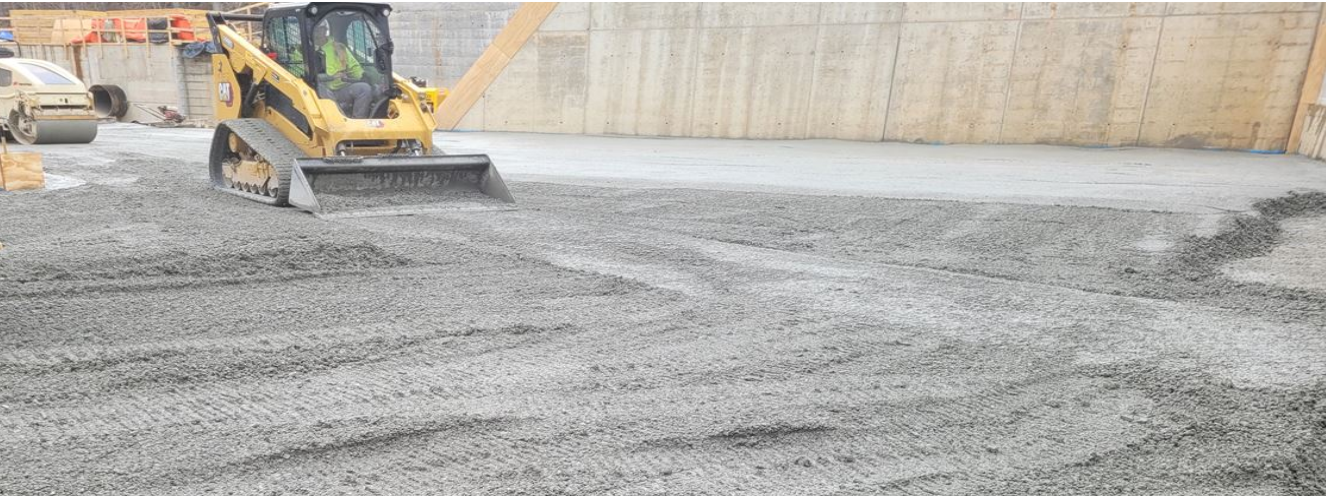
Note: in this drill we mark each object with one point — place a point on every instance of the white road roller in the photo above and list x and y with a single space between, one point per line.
41 103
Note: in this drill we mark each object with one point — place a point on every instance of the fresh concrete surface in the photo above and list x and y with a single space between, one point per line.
618 334
1171 180
1300 262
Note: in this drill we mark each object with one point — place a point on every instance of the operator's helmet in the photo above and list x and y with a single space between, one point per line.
322 32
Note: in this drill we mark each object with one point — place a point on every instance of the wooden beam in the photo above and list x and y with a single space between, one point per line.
20 170
495 58
1311 84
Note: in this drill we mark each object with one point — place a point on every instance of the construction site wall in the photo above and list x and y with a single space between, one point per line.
151 75
439 42
1198 75
124 48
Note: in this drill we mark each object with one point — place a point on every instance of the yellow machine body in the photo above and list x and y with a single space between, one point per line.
321 151
413 114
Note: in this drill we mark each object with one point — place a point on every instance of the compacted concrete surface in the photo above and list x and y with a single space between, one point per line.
672 317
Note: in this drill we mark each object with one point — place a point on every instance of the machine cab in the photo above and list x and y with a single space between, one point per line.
341 49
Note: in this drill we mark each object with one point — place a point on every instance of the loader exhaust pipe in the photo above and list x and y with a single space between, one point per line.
397 185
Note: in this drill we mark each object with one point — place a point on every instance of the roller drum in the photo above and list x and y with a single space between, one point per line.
30 132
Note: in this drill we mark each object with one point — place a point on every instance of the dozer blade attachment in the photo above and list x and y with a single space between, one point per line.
397 185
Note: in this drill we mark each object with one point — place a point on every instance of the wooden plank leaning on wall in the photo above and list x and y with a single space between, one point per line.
485 70
1311 85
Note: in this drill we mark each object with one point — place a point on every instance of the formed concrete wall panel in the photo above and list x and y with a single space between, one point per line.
1182 8
1219 75
146 72
543 89
754 82
1071 10
198 87
853 74
951 82
474 119
642 82
1228 81
568 17
930 12
1081 81
150 75
858 13
729 15
439 42
613 15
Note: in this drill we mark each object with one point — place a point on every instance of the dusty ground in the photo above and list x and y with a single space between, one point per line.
157 337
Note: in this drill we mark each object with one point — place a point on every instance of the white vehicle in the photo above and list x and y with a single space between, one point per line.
41 102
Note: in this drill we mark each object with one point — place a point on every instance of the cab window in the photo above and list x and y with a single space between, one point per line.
353 33
345 46
45 75
6 77
359 35
282 35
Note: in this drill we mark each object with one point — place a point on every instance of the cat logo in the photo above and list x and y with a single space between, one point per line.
224 92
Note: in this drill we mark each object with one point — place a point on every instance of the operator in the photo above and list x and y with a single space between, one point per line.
346 84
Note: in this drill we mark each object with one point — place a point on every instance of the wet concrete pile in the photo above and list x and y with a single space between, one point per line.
160 338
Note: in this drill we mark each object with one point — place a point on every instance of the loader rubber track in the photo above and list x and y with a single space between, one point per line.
269 143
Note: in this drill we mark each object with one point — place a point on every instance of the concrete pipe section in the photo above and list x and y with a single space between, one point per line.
109 101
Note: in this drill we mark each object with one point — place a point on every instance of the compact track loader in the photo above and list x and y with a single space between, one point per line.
313 116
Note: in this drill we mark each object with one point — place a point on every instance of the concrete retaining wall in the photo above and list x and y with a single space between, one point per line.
1218 75
153 75
439 42
150 75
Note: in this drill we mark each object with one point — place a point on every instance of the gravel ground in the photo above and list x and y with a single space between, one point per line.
162 338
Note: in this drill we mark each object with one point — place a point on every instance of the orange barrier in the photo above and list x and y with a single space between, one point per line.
81 27
134 30
181 28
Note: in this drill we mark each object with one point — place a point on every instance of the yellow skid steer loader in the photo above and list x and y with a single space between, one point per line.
313 116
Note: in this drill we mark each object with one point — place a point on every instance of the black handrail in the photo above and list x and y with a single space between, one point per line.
215 19
223 17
